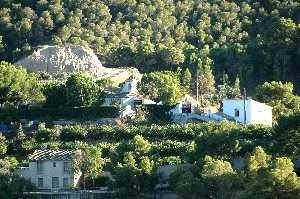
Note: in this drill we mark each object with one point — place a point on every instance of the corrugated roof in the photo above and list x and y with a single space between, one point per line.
53 154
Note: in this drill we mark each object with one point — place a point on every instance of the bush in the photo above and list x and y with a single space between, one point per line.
172 148
169 160
41 113
73 133
47 135
105 132
158 114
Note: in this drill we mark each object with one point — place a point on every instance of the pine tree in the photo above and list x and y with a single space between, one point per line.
225 79
186 79
236 91
205 82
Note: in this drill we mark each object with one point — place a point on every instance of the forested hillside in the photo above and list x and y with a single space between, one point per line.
258 39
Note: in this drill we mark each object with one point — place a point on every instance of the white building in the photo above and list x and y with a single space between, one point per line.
53 170
255 112
128 97
185 106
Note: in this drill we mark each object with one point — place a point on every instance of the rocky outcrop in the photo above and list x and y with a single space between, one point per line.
72 59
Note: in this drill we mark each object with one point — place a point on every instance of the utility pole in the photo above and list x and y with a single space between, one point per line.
197 87
245 97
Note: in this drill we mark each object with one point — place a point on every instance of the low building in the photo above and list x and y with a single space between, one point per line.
186 105
53 170
127 97
248 111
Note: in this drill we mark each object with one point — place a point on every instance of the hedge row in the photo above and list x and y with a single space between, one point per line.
187 133
41 113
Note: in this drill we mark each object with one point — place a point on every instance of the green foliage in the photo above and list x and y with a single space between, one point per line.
228 90
228 140
133 176
186 80
257 160
236 88
262 177
55 94
271 179
11 185
205 82
170 148
161 87
91 163
139 146
215 168
3 147
157 114
16 86
280 96
40 113
72 133
133 153
47 135
133 169
162 35
21 143
81 90
287 132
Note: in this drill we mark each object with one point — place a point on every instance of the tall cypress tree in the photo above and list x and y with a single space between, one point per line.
205 81
236 88
186 79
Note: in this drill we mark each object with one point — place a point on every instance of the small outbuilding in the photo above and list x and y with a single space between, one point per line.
185 106
248 111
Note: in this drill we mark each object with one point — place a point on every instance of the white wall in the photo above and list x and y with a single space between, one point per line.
48 171
127 101
229 107
256 112
177 110
24 172
130 86
260 113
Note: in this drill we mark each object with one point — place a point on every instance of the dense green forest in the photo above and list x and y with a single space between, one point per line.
257 40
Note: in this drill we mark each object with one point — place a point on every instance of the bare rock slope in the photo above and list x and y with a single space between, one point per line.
72 59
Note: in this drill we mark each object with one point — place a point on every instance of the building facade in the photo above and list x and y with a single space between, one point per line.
53 170
248 111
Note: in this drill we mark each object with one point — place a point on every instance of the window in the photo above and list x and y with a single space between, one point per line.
54 164
39 167
67 167
40 182
55 182
236 112
65 182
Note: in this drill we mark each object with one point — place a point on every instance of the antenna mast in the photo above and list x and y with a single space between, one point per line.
245 97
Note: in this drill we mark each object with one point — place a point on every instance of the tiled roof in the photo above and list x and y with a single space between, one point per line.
53 154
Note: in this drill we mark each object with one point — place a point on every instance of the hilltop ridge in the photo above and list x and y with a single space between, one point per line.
72 59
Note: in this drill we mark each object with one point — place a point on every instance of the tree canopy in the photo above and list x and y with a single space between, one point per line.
17 86
162 87
257 40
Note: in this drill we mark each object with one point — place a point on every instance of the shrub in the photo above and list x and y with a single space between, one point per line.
47 135
73 133
42 113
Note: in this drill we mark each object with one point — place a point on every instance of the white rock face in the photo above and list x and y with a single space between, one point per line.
72 59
